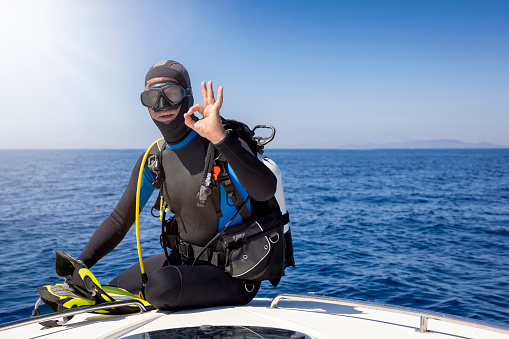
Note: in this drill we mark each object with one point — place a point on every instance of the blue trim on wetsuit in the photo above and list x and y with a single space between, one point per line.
184 142
146 188
227 210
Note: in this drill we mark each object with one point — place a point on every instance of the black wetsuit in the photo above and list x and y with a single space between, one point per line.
175 285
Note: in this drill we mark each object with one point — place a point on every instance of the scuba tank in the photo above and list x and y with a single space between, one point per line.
279 195
280 198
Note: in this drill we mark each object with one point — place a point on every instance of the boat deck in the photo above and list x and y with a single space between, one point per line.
307 316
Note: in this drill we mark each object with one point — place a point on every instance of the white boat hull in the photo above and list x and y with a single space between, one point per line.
314 318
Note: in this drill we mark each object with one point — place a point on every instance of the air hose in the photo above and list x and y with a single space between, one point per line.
144 277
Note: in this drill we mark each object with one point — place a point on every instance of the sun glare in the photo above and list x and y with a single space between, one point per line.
27 30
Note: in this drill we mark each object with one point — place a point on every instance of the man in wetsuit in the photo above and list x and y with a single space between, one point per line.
178 284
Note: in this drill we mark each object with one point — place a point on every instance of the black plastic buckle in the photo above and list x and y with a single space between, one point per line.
224 180
185 249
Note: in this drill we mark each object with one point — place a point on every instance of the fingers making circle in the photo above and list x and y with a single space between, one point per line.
188 120
196 108
210 125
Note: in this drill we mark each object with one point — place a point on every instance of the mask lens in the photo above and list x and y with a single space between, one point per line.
174 93
150 98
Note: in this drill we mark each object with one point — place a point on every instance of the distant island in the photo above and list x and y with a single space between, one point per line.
428 144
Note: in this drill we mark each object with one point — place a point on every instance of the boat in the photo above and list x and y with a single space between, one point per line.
287 315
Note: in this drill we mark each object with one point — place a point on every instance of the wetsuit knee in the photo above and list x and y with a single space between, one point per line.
183 287
164 287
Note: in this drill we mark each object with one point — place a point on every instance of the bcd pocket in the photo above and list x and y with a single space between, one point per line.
255 250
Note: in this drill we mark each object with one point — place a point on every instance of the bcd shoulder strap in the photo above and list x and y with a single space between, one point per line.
233 197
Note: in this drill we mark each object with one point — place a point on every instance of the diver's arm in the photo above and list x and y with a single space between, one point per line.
253 175
113 229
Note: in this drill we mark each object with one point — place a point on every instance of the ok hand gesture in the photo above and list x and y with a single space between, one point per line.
210 125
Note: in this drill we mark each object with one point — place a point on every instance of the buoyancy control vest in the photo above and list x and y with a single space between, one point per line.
179 171
183 172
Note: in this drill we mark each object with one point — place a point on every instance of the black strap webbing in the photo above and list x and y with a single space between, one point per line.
189 251
216 201
233 197
286 218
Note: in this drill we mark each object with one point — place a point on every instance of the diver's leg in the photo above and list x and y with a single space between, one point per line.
130 279
178 287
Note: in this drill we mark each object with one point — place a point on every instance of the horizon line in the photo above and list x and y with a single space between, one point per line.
272 149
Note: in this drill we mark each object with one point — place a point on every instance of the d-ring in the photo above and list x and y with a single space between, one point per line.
249 290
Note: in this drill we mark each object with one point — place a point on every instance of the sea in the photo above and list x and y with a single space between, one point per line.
427 229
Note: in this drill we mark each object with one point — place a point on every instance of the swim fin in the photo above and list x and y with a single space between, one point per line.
79 276
81 288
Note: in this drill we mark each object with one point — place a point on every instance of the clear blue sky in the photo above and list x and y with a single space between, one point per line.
324 73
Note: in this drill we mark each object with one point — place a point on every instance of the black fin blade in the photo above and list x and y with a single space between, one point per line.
65 264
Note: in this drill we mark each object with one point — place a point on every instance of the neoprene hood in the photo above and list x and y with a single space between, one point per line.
176 130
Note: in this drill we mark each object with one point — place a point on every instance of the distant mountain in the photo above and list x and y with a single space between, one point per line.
422 144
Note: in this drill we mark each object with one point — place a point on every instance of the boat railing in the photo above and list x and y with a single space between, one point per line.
424 315
72 312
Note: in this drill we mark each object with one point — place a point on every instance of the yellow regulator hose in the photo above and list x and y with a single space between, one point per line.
144 277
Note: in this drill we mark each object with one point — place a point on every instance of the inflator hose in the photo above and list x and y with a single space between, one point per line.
144 277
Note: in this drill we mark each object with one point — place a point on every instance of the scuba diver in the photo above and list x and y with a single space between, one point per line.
242 189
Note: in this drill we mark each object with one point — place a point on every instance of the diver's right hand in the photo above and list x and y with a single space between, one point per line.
210 126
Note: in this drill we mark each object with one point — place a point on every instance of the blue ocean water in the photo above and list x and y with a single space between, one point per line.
427 229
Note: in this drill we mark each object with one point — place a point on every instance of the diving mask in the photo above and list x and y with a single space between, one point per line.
164 95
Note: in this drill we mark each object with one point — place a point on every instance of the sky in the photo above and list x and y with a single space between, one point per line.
324 73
